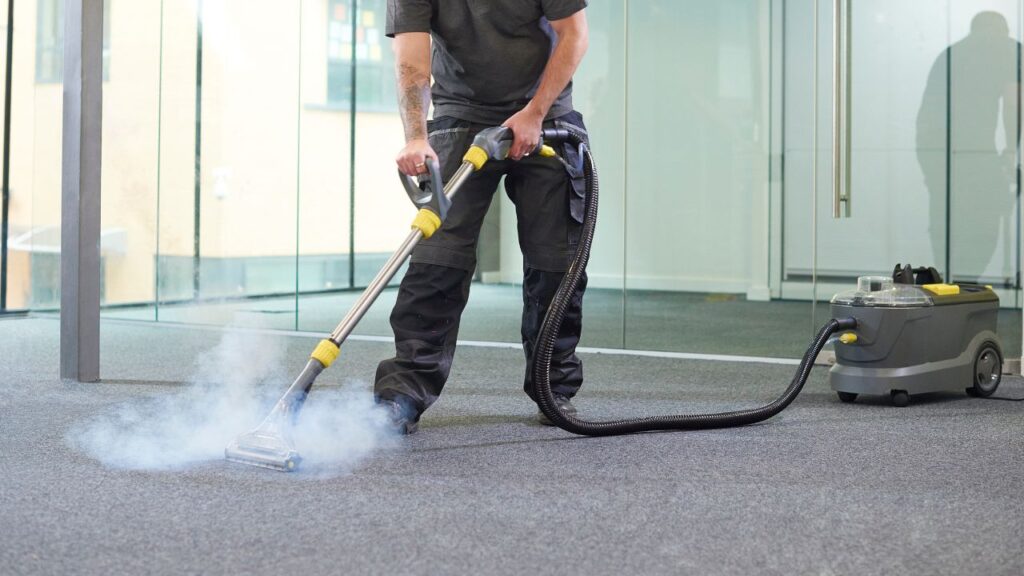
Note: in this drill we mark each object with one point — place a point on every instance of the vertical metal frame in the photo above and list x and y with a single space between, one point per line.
80 191
948 264
815 160
198 185
842 90
352 153
1020 158
5 201
847 197
837 107
778 149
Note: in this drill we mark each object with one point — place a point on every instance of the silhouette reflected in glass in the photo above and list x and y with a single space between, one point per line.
971 93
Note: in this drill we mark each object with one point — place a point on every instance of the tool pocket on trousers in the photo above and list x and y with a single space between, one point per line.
574 166
449 137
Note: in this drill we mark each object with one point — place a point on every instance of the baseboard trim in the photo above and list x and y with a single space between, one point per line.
1012 366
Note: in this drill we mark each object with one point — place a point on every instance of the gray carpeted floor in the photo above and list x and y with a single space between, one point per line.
824 488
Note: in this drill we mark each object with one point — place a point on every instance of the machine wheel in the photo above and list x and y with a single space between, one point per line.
900 398
847 397
988 370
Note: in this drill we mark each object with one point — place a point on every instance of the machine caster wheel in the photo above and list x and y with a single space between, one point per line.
988 370
847 397
900 398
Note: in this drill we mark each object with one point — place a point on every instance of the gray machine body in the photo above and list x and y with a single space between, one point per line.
916 349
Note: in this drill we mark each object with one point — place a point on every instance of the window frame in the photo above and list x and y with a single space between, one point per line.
49 40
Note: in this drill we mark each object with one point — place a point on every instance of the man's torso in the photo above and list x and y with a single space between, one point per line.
489 55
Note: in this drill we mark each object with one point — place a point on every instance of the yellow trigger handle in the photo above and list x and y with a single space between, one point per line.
477 156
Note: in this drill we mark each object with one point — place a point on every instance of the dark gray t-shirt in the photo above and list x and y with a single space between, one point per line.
488 55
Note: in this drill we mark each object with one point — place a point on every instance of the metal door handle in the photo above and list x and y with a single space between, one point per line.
842 90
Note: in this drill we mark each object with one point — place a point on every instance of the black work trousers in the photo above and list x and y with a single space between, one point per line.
548 195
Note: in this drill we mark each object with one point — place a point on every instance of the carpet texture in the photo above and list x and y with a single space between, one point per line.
824 488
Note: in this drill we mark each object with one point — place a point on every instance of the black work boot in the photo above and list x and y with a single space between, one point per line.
563 404
401 420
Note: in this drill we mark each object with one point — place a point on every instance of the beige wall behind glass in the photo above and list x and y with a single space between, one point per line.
34 246
131 138
248 161
382 212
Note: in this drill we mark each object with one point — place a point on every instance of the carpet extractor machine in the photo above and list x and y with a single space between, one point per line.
916 334
894 337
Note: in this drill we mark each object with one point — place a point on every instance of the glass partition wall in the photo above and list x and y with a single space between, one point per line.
5 37
33 81
262 177
248 173
703 82
925 133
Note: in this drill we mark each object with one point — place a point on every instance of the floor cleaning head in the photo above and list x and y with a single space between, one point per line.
270 445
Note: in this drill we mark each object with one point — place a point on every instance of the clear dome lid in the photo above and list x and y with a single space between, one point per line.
880 291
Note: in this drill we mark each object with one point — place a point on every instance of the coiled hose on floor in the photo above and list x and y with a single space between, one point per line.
541 366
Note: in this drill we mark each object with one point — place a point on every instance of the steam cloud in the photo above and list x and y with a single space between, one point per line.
234 387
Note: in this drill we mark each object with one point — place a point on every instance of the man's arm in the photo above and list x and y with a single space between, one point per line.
412 65
572 44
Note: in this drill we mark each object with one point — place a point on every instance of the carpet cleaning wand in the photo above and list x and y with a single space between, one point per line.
270 445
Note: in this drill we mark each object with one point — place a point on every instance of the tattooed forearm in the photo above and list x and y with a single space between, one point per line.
413 100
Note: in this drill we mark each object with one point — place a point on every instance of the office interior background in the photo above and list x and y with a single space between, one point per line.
248 173
752 164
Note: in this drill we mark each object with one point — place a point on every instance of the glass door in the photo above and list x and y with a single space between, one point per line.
916 129
703 175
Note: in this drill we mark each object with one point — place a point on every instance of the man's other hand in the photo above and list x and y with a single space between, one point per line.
412 160
526 126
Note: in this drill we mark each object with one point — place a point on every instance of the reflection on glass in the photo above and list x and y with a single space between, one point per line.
697 160
599 93
326 149
935 111
179 132
229 124
975 106
371 214
892 218
382 210
33 266
238 182
325 266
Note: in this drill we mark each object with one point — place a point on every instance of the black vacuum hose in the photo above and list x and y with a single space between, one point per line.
541 366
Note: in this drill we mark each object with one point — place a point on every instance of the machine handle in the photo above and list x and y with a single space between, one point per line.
428 192
496 142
